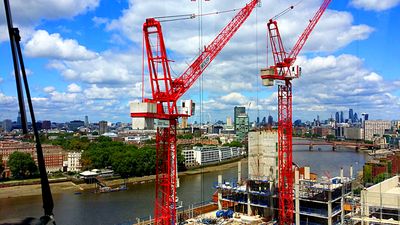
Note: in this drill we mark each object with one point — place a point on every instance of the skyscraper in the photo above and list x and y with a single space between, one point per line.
238 110
86 121
364 118
19 120
337 119
341 117
355 118
351 118
270 120
46 124
7 125
103 127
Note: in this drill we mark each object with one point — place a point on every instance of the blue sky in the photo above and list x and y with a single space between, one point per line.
85 57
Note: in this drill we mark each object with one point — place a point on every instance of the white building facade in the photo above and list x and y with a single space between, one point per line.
74 162
375 127
209 154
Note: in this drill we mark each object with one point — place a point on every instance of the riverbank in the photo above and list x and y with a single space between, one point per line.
68 186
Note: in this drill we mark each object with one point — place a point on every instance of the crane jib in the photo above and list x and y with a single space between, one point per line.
204 64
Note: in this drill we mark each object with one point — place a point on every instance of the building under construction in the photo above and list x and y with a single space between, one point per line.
317 201
379 204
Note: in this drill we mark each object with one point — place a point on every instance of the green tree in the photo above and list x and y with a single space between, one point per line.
181 160
330 137
367 174
381 177
124 163
234 144
308 135
104 139
22 165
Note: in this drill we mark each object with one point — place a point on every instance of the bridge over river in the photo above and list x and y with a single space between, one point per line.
335 144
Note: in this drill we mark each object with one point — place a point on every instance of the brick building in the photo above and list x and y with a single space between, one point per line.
53 155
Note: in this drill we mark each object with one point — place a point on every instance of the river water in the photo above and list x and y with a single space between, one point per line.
124 207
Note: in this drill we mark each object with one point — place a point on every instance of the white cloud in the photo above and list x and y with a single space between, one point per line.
234 98
6 100
106 68
32 11
49 89
95 92
54 46
335 29
74 88
375 5
373 77
28 14
98 21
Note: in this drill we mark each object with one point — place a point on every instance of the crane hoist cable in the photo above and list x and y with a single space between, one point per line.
286 10
190 16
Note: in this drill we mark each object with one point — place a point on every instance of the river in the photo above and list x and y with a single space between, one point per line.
124 207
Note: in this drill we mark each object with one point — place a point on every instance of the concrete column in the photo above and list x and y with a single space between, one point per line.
297 197
351 171
341 174
249 211
239 172
219 192
330 208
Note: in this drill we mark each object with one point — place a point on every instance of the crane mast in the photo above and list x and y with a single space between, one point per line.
163 106
283 70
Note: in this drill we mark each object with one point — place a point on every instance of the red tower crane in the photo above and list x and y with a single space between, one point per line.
163 105
283 70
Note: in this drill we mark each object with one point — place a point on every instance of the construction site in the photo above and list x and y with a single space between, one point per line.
275 190
279 179
316 200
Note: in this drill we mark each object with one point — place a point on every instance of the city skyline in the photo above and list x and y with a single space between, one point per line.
96 69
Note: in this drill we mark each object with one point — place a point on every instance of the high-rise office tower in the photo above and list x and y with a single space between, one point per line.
351 118
19 119
238 110
86 121
270 120
341 117
103 127
355 118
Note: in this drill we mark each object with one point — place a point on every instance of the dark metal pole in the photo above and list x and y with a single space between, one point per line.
15 39
24 123
47 198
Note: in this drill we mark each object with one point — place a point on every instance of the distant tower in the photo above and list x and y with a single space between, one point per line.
103 127
351 116
264 121
364 118
238 110
355 118
337 118
341 117
19 119
270 120
228 121
86 121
